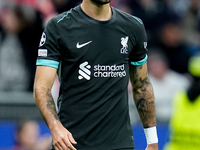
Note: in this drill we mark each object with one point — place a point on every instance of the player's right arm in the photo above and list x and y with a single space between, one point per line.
44 78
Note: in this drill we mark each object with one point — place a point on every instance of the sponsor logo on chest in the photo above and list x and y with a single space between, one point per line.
101 71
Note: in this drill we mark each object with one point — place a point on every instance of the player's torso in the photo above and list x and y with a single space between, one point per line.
98 49
94 76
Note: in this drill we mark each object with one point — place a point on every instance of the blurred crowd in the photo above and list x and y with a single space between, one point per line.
27 136
173 30
21 25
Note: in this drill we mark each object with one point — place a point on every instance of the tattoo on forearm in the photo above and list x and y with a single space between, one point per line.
139 80
143 96
144 109
51 105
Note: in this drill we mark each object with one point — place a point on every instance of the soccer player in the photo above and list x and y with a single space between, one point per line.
95 48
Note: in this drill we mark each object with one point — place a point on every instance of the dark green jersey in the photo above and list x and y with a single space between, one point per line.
94 58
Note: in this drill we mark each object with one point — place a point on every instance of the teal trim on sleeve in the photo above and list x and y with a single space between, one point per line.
141 62
47 62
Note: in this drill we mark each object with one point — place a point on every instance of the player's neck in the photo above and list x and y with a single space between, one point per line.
97 11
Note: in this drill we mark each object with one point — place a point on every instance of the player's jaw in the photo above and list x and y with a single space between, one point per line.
101 2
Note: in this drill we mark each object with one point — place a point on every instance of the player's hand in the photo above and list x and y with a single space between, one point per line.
62 138
152 146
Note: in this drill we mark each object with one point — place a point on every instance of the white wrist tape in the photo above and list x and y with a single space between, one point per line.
151 135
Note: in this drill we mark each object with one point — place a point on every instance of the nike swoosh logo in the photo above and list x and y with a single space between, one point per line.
82 45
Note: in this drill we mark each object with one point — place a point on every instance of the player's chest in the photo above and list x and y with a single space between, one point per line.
97 43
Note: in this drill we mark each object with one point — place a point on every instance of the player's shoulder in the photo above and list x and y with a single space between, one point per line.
65 16
128 18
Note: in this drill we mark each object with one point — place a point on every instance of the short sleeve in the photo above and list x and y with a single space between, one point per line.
49 51
138 55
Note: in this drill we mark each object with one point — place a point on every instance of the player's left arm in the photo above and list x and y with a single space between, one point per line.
144 100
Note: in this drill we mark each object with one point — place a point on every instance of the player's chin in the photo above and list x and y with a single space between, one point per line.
101 2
